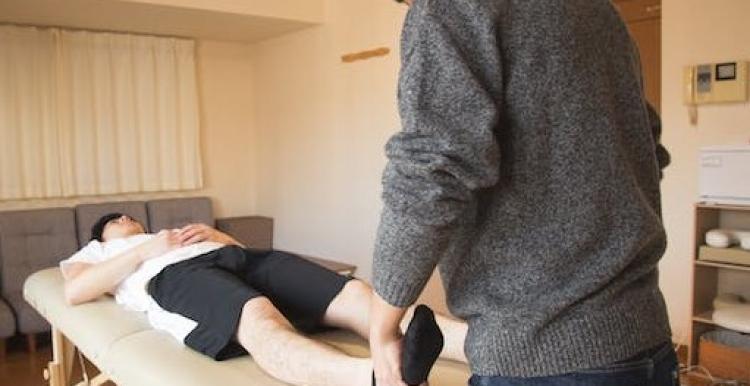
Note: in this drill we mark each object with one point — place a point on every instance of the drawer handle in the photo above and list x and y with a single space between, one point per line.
653 8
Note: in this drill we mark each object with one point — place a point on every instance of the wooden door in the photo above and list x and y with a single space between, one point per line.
644 20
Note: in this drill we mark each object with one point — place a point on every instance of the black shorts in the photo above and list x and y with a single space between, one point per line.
212 289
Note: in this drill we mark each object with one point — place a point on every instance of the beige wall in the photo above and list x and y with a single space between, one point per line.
694 31
323 126
225 81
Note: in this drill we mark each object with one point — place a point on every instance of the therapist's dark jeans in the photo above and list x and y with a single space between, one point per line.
655 367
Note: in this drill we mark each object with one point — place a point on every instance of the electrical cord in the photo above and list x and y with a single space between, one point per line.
715 381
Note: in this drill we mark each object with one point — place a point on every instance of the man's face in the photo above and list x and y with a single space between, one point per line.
120 227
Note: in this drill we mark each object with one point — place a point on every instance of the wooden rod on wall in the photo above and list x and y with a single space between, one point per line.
364 55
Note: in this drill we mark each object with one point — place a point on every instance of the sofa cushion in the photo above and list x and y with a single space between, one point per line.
178 212
88 214
32 240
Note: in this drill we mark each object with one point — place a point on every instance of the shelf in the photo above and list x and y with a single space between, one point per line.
703 205
726 271
705 317
723 265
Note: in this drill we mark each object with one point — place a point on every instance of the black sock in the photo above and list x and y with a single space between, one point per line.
423 342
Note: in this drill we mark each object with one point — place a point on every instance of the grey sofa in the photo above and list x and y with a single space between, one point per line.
32 240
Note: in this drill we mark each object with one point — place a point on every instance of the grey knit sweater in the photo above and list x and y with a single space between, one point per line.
528 168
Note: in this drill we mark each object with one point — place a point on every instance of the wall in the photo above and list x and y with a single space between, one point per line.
225 81
323 127
694 31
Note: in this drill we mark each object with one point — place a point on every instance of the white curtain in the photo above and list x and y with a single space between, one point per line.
85 113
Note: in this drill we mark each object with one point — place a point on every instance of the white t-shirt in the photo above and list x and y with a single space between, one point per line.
132 292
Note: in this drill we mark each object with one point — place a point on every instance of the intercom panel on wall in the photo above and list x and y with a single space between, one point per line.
716 83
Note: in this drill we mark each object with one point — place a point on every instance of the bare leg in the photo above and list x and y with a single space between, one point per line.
285 354
351 310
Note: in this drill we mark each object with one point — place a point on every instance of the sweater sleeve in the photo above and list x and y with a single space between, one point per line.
662 155
447 150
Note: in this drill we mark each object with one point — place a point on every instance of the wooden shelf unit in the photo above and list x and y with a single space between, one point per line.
714 264
706 278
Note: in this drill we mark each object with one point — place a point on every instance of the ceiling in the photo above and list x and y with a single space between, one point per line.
245 21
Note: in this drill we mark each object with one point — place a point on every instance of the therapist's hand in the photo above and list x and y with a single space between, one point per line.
386 360
386 342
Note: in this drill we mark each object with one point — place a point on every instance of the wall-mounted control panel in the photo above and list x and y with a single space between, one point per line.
716 83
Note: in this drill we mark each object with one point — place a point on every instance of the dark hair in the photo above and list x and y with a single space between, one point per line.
98 228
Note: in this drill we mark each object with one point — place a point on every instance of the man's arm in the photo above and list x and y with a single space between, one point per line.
85 282
449 94
662 155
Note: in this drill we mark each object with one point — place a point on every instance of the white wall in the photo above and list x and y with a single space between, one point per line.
694 31
225 81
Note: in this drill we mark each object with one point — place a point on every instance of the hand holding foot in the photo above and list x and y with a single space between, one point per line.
386 357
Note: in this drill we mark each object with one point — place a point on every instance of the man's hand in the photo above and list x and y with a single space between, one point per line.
196 233
386 360
165 241
386 342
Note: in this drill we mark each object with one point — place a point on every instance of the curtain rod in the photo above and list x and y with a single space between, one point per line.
95 30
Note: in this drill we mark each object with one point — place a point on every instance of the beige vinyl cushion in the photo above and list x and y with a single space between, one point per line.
94 326
123 345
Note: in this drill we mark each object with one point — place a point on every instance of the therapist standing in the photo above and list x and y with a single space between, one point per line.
528 169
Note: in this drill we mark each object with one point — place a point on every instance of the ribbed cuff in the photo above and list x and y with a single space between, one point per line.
406 254
399 290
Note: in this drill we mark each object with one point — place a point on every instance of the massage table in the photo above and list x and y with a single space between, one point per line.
127 351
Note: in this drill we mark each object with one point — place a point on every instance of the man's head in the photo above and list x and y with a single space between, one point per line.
114 226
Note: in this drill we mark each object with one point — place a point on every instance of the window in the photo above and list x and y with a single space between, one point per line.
86 113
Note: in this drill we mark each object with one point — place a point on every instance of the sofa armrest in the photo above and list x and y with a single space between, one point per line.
338 267
257 232
252 231
7 320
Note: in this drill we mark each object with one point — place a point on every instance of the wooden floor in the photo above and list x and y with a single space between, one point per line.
22 368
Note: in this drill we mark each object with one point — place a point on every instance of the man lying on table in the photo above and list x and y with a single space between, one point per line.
224 300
